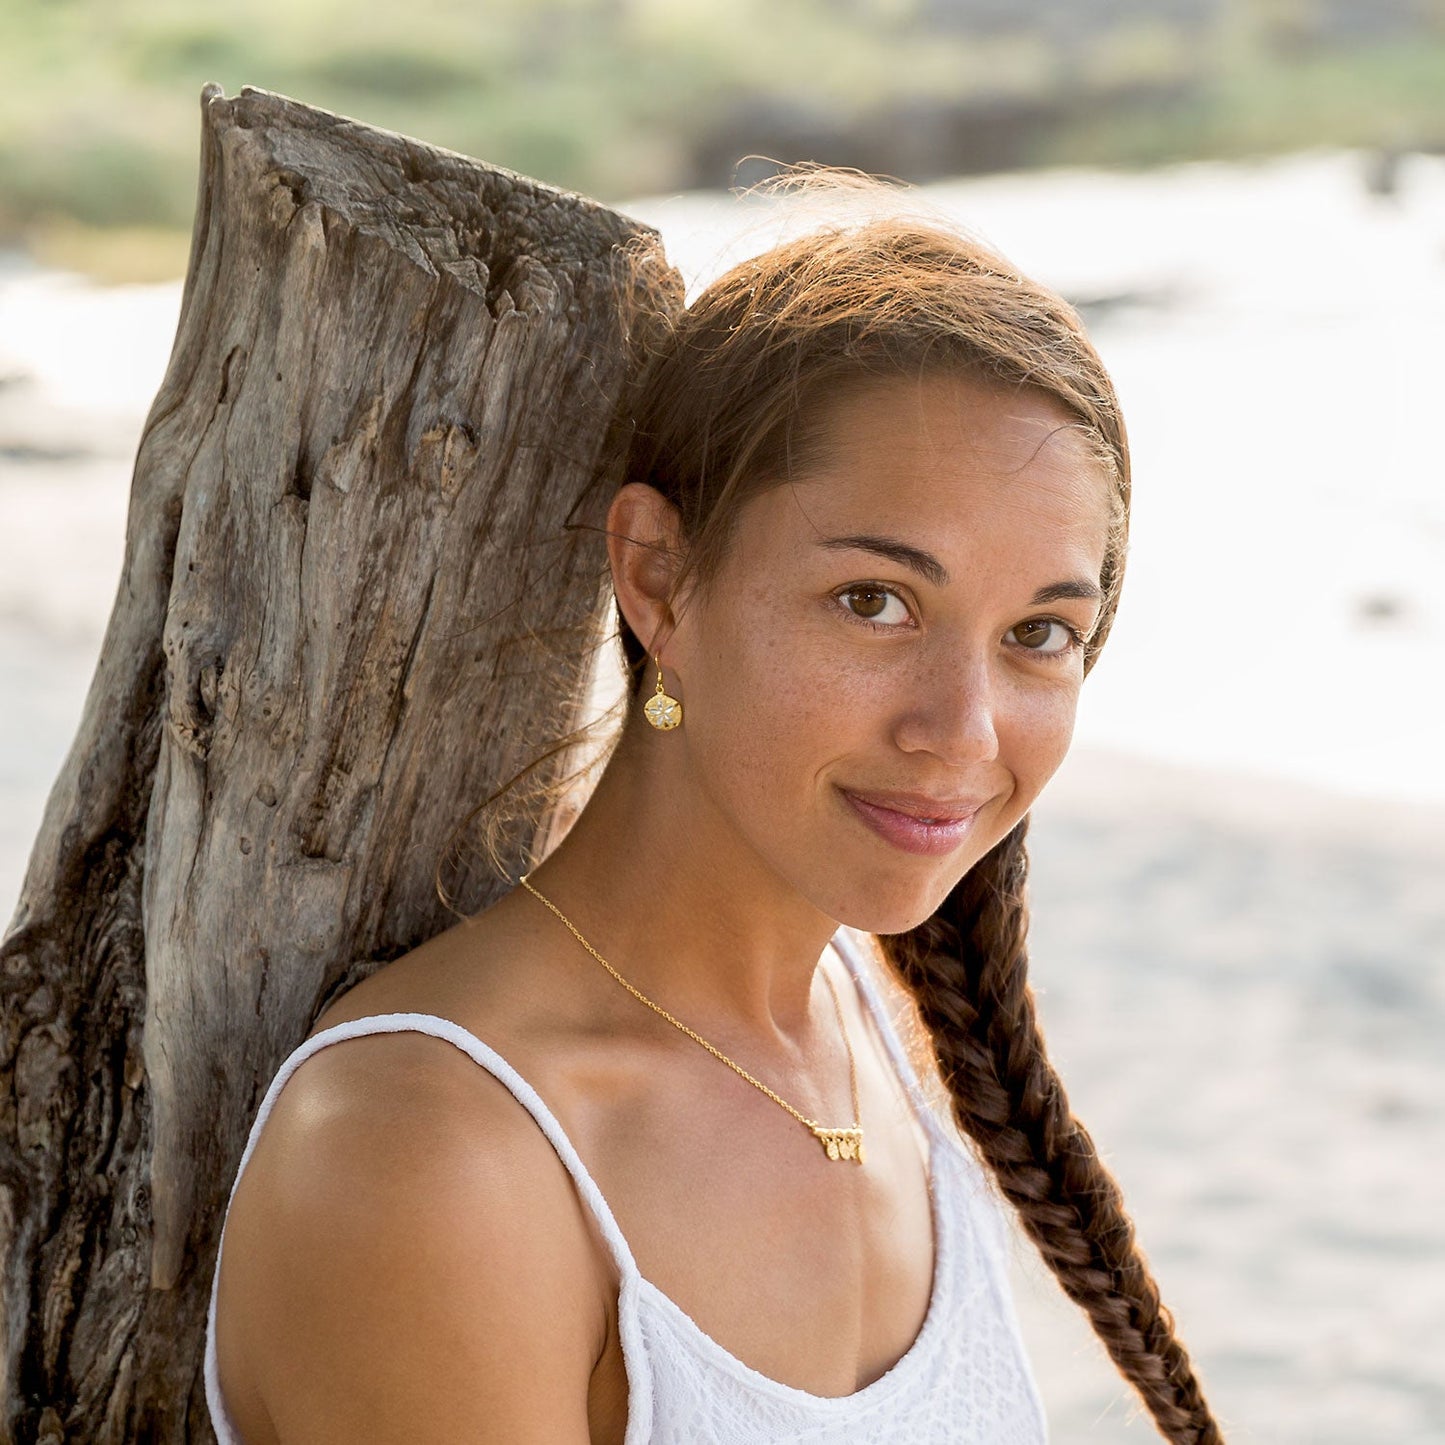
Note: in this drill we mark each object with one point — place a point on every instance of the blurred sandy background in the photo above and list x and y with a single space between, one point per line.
1240 874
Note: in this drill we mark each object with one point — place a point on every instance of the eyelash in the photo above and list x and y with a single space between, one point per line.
1077 640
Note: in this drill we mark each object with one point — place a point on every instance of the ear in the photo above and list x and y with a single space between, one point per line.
645 550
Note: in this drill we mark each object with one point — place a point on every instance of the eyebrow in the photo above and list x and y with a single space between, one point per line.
915 558
1076 589
931 569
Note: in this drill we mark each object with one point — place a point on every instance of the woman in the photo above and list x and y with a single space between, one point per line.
868 543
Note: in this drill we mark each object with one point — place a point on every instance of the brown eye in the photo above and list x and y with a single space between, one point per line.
1043 634
868 601
875 605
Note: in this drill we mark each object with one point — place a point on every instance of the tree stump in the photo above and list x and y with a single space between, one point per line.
349 608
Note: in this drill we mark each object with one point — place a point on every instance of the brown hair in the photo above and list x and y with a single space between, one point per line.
721 408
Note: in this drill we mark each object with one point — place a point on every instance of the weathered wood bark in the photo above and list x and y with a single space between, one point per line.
346 578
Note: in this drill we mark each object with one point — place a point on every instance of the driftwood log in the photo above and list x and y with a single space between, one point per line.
346 576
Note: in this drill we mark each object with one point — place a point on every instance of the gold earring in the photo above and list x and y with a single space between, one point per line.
663 712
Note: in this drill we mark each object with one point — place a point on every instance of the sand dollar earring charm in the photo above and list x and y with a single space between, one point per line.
663 712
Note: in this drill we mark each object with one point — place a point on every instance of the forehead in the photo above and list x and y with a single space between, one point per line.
947 460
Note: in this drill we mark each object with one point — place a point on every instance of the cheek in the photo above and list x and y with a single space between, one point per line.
1036 730
773 706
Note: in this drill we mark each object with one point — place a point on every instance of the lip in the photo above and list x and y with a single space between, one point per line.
914 822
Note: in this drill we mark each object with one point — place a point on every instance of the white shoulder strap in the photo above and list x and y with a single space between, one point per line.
640 1385
495 1065
851 951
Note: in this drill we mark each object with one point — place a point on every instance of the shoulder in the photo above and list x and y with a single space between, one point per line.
406 1256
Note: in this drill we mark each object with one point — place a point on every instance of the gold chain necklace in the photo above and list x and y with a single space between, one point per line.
844 1143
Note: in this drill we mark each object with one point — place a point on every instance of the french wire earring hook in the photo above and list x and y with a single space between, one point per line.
663 712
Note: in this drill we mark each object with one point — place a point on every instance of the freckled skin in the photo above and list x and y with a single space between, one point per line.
787 697
712 864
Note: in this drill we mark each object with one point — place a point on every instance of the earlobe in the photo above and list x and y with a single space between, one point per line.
644 551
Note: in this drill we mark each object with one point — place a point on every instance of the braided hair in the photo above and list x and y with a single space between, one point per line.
721 404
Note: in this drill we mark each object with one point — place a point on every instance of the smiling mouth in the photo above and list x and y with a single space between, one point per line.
904 823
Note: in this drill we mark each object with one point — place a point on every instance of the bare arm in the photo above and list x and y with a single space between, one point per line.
406 1258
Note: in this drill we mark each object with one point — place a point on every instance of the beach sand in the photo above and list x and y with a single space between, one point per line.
1241 983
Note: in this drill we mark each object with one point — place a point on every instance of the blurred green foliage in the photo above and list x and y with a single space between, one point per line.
98 124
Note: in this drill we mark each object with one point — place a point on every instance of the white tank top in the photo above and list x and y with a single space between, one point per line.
964 1381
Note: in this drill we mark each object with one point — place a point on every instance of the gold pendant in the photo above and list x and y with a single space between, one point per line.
663 712
841 1143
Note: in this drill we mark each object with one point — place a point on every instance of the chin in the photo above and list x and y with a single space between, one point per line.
901 911
908 901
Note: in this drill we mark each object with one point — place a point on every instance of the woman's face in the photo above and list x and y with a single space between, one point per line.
895 637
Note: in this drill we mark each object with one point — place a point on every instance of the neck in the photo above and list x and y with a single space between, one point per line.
666 891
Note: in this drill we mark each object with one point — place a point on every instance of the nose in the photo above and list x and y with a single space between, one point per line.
951 710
